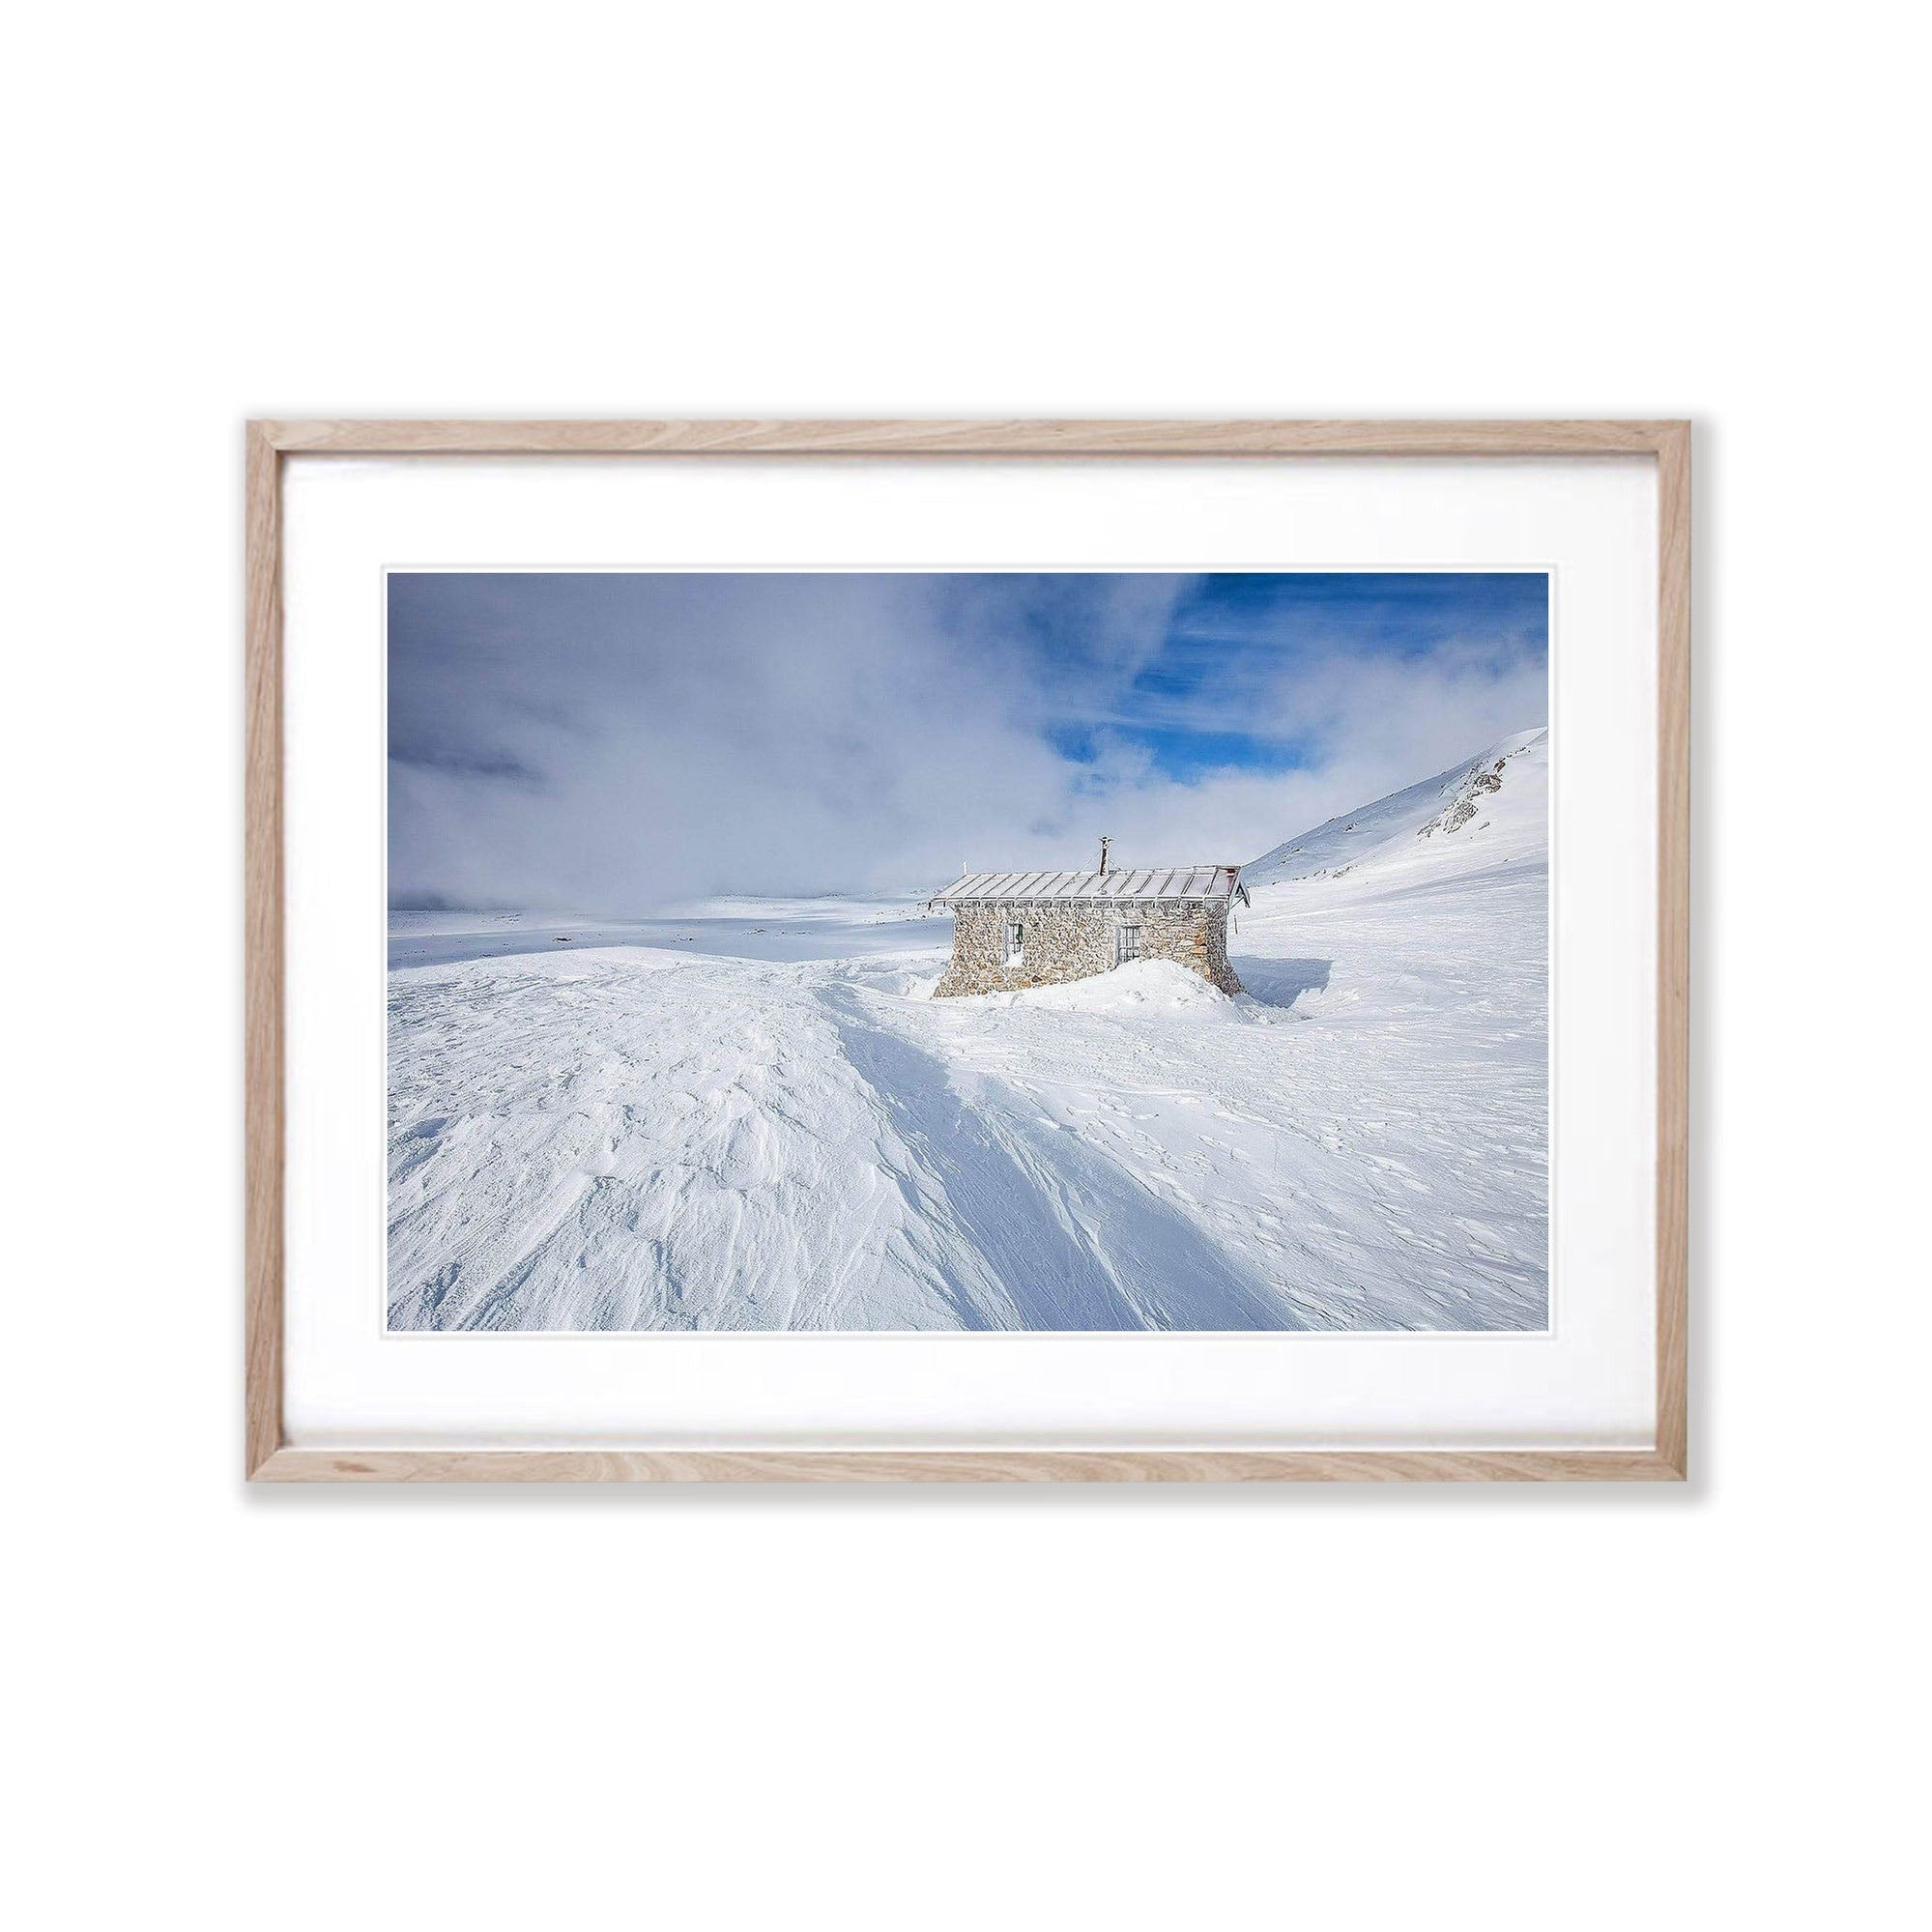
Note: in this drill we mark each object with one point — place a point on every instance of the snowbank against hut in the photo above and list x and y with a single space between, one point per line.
1143 990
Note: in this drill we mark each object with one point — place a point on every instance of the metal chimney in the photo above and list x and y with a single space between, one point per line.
1104 844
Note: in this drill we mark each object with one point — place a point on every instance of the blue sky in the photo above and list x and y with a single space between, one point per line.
603 742
1199 704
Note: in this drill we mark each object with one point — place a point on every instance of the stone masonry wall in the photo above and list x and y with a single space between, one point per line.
1074 939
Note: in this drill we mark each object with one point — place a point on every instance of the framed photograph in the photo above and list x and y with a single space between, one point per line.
952 951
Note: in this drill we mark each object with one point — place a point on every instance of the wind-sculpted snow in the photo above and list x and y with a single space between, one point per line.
655 1135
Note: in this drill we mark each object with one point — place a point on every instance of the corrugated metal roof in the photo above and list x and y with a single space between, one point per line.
1148 882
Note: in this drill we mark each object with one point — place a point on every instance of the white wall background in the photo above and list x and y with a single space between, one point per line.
1494 1709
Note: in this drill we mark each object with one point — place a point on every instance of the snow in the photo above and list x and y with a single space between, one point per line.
754 1116
769 928
1146 987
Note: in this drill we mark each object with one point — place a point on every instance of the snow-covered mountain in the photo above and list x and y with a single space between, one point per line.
1488 810
753 1118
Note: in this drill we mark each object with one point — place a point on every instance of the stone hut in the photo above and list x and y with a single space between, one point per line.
1019 929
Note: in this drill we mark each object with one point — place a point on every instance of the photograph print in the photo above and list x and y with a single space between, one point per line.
1097 952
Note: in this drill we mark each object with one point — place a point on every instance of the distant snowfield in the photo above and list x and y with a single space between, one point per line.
755 1116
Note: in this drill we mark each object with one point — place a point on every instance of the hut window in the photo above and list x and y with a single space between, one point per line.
1016 943
1126 944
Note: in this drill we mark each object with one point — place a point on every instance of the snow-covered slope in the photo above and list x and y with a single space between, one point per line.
754 1119
1489 809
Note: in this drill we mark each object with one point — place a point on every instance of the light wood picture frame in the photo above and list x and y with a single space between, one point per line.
270 1458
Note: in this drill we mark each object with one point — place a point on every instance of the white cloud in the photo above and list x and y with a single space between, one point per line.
778 733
